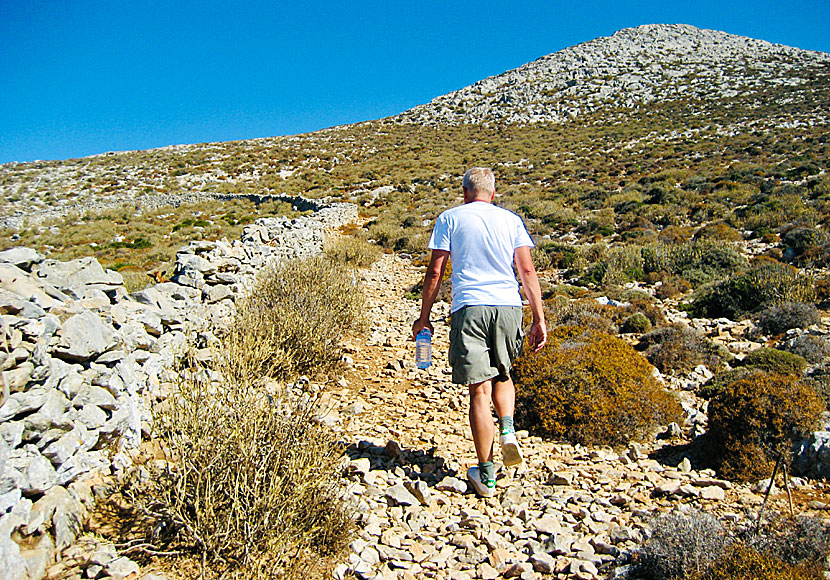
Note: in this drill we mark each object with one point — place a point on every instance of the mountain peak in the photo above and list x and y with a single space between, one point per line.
634 66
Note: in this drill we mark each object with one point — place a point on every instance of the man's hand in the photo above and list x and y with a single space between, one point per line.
537 336
419 325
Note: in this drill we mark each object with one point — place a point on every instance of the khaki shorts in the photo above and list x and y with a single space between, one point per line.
484 340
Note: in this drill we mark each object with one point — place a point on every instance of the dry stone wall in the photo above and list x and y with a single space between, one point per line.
81 358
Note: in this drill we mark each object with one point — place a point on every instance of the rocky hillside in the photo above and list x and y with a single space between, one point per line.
652 87
636 66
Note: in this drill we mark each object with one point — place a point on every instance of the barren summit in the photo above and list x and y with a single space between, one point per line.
635 66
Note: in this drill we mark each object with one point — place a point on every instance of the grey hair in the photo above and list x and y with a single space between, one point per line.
479 180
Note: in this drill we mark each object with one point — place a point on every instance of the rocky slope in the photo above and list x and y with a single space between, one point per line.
636 66
698 83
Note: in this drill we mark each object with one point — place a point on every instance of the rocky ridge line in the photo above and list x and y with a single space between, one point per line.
635 66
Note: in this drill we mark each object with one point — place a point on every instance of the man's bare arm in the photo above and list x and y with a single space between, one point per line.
538 334
432 283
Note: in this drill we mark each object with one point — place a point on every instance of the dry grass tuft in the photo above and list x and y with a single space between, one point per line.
293 321
250 481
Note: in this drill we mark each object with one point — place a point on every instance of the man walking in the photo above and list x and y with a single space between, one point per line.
484 242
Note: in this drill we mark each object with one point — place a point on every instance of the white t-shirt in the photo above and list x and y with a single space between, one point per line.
481 239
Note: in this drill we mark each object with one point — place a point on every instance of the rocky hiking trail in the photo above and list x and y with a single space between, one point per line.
566 512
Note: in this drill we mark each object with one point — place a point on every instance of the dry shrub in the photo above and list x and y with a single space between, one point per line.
251 481
814 348
680 349
779 319
681 545
718 231
755 419
671 287
745 563
352 251
590 387
584 312
293 320
765 284
802 540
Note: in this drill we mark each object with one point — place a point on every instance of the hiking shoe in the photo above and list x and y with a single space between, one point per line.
510 449
483 489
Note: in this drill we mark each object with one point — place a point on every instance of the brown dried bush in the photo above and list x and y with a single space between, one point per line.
589 387
251 479
718 231
745 563
755 419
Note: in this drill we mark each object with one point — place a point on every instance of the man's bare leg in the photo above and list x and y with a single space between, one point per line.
504 399
481 419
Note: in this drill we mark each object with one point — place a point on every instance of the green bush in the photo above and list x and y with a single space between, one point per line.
819 379
589 387
756 418
766 283
806 246
637 322
698 262
781 318
680 349
776 361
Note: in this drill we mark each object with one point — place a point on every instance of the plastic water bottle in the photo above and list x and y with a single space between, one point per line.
423 349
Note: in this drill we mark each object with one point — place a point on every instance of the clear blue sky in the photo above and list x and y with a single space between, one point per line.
79 77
